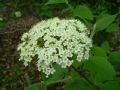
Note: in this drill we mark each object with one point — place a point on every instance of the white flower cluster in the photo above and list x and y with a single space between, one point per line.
55 41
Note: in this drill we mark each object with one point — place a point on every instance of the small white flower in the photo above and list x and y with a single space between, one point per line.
1 19
55 41
18 14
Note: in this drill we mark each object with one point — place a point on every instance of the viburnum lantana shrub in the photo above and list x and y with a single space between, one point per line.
55 41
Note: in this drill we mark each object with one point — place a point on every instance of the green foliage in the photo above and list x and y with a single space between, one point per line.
2 5
112 27
111 85
105 45
2 23
104 22
100 68
98 51
115 57
37 86
59 74
77 83
102 19
83 12
55 1
44 11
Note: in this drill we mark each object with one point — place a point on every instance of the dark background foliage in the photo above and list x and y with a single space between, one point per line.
101 72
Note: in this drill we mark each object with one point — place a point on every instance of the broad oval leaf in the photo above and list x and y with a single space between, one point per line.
83 11
100 68
98 51
104 22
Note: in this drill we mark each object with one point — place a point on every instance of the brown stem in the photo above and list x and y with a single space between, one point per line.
59 81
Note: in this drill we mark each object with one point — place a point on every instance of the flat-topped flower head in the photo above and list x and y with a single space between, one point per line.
55 41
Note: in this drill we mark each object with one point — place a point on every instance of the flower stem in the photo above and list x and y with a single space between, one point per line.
93 31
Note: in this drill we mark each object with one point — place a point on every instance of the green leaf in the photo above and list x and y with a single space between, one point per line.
111 85
55 2
83 11
112 27
98 51
118 1
44 11
100 68
59 74
77 83
76 63
37 86
115 57
105 46
104 22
